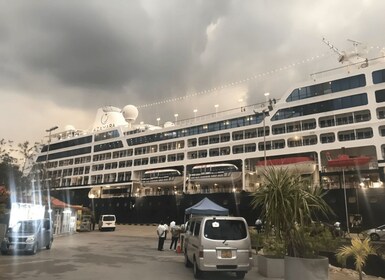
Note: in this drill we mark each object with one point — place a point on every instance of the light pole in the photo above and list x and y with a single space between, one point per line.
158 120
195 114
264 137
266 94
46 160
176 117
216 109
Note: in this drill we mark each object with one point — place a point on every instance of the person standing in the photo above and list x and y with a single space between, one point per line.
258 225
175 231
161 232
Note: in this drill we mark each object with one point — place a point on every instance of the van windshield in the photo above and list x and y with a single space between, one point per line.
108 218
225 229
26 227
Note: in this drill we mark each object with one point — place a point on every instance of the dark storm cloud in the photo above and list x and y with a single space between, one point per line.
115 47
75 56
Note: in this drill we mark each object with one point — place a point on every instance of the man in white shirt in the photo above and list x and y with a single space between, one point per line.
161 232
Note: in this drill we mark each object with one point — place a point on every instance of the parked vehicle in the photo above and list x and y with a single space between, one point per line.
28 236
107 222
218 243
375 234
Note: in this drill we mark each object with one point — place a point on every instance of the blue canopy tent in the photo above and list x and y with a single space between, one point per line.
206 207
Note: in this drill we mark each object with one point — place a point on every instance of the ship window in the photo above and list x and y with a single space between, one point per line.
278 144
380 95
171 158
382 130
192 155
378 76
262 145
278 129
251 133
260 131
344 119
192 142
322 107
362 116
326 122
202 154
225 151
347 135
293 127
106 135
238 149
214 152
309 140
381 113
162 159
364 133
67 144
310 124
225 137
250 148
327 138
294 142
203 141
214 139
238 135
327 87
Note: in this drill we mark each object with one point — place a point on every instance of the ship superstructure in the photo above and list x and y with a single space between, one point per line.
330 129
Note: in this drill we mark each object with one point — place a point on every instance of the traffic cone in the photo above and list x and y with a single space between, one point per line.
178 248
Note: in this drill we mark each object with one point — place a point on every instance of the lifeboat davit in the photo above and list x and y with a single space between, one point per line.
303 165
346 160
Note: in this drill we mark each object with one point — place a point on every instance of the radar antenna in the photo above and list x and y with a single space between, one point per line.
342 55
353 57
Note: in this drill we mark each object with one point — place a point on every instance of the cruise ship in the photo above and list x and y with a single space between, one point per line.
330 129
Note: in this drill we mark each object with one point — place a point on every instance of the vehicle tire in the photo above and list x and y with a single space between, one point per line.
197 272
374 237
4 253
113 229
187 263
34 249
49 245
240 274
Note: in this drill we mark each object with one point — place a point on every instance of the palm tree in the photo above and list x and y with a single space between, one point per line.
359 250
289 203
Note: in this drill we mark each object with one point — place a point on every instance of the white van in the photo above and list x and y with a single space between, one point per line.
107 222
218 243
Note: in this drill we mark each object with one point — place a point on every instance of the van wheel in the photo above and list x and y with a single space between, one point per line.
240 274
197 272
34 249
49 245
187 263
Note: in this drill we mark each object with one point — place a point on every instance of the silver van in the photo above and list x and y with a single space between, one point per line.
28 236
218 243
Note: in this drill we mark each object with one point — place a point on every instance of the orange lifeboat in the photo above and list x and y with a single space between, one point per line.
303 165
345 160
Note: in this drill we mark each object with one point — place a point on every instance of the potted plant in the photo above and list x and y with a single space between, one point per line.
271 261
290 205
359 250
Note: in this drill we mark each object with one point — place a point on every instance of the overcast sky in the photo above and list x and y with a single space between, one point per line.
62 60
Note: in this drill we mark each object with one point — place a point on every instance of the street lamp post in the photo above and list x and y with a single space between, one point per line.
195 114
264 137
46 160
176 117
216 109
158 120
